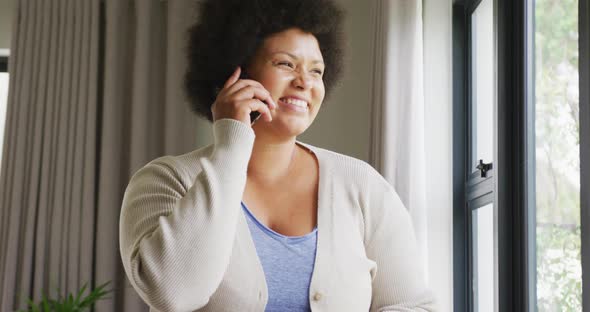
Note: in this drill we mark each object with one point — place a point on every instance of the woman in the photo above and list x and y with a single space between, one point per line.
259 221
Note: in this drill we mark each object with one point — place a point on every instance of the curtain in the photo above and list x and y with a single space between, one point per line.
44 172
95 93
397 112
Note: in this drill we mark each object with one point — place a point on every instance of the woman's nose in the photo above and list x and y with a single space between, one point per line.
302 81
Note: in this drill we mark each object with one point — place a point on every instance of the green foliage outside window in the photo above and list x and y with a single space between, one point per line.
559 273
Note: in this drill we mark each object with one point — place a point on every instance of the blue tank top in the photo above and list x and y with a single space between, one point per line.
287 262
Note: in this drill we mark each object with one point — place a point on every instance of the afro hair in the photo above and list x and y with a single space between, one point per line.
228 33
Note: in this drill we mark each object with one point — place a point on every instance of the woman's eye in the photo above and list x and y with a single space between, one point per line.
286 63
318 71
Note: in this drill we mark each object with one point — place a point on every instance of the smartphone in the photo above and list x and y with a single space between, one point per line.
253 115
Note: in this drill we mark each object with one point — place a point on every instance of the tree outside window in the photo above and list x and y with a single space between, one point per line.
559 271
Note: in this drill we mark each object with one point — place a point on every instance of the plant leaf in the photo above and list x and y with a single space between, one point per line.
45 303
79 296
33 306
95 295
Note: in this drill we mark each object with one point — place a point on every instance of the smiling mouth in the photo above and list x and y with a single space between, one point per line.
293 101
294 105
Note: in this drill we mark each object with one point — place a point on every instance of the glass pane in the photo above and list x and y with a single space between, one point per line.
3 99
483 258
559 279
483 86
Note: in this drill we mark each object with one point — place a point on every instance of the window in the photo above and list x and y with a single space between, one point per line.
475 106
480 179
532 220
3 99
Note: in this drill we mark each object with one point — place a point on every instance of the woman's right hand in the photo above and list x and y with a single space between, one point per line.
240 97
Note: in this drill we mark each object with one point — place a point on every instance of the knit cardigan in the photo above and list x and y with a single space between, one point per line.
186 246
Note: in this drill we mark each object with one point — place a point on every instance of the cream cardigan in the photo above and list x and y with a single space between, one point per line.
186 246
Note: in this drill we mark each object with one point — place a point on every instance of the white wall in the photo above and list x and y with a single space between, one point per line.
342 124
6 7
438 140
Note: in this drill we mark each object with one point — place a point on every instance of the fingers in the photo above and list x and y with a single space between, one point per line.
236 85
233 78
258 106
249 92
240 97
240 83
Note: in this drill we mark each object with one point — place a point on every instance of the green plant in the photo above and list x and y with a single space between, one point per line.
69 303
559 270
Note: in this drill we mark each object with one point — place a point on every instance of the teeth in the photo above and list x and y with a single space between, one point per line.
299 103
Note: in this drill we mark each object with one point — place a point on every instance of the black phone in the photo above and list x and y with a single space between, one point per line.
253 115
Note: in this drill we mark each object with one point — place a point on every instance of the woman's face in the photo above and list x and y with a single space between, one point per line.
290 66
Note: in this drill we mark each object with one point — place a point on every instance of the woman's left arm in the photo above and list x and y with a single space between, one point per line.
399 284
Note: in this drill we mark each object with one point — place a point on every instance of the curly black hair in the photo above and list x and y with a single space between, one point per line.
228 33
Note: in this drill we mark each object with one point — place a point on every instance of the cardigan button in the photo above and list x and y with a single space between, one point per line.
317 296
259 295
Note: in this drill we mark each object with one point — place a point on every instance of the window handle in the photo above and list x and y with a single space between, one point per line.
484 168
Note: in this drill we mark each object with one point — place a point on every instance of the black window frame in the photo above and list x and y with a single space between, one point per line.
461 295
584 85
516 164
3 64
513 257
471 191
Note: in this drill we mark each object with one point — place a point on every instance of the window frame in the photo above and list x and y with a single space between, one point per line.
584 86
461 256
516 158
3 64
513 182
517 147
515 161
470 191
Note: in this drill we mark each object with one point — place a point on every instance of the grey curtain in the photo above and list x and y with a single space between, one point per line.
95 94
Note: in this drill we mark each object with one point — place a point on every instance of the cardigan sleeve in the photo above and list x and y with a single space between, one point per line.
399 284
176 240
